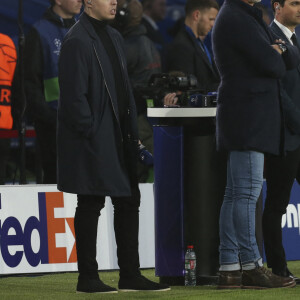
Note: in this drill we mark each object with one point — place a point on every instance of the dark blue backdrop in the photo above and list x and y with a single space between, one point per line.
34 9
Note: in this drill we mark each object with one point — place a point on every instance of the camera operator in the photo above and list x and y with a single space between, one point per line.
143 60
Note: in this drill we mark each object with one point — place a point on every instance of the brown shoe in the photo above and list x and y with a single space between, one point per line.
230 280
261 278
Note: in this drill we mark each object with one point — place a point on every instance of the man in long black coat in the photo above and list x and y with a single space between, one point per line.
98 143
251 61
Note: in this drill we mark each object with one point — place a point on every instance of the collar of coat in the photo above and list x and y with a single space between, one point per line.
89 27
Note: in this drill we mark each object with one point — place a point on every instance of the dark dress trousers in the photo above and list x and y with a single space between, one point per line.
248 111
184 54
281 171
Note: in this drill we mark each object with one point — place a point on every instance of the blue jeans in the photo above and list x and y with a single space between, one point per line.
237 217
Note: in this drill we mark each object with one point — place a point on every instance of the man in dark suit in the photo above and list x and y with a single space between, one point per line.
187 53
251 61
281 170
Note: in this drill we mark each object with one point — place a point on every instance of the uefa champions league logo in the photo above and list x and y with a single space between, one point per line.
57 43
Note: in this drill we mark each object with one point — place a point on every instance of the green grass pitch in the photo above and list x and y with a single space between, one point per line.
62 286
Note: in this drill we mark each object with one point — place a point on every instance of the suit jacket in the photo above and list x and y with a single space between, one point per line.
290 93
249 108
184 54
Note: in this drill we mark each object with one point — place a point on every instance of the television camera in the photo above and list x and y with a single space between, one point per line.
186 87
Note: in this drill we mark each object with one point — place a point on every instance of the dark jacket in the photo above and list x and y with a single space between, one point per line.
37 107
90 141
154 35
184 54
290 94
157 38
143 60
249 109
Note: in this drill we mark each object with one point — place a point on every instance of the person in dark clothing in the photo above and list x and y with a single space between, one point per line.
251 61
154 11
187 53
281 171
98 145
143 60
41 54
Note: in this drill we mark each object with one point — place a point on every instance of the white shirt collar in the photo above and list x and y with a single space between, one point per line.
151 21
285 30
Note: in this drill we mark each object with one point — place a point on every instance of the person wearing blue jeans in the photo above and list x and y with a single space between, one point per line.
237 217
238 246
251 60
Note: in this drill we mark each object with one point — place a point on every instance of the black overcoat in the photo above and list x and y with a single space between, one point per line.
90 140
249 108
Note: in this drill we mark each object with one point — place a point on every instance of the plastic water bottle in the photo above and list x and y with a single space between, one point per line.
190 267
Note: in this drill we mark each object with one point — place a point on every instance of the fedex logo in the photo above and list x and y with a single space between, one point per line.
292 217
52 231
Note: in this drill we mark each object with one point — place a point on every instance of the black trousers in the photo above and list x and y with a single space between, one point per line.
126 226
280 175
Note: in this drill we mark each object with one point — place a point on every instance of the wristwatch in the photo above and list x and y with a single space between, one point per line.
282 47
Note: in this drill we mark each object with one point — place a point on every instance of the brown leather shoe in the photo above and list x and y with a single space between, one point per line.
230 280
261 278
